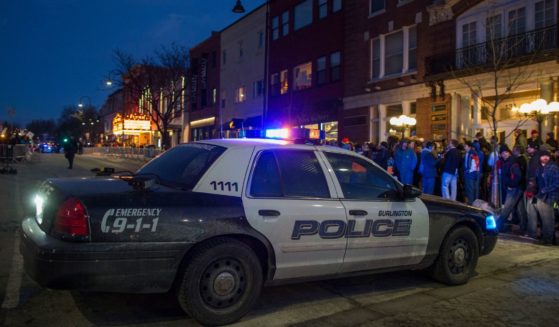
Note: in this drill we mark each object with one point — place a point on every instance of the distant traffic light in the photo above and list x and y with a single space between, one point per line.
65 140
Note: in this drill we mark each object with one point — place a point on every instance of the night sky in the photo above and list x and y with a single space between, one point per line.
54 52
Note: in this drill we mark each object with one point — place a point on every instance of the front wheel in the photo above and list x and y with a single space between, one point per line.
221 282
457 258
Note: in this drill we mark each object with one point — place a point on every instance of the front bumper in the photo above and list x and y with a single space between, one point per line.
131 267
489 242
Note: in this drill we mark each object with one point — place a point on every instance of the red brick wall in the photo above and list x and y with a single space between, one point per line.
319 103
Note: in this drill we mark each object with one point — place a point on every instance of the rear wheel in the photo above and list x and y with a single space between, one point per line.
457 258
221 282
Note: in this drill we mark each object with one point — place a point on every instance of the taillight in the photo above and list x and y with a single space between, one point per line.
71 219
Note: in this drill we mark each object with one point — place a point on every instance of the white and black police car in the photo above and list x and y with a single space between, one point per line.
215 220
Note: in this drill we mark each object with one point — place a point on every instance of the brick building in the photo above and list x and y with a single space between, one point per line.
304 65
417 57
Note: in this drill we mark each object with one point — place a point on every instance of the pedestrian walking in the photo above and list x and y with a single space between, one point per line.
70 149
452 159
405 161
547 197
512 180
428 168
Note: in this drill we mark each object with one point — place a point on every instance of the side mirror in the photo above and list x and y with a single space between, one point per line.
411 192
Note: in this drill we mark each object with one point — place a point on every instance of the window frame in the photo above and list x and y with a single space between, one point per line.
323 169
310 79
305 23
378 11
321 72
335 70
322 9
275 28
285 23
398 187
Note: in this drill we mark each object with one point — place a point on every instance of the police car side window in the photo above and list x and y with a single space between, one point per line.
265 179
360 179
301 174
288 173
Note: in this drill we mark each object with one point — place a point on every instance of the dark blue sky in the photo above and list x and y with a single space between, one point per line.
53 52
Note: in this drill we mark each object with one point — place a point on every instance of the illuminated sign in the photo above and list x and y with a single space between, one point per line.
137 124
133 124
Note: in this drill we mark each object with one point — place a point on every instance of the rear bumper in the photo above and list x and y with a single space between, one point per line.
129 267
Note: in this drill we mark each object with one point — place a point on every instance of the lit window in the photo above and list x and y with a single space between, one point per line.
240 95
302 76
376 6
284 82
322 8
285 23
303 15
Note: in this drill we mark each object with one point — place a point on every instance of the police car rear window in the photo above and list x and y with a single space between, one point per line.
183 165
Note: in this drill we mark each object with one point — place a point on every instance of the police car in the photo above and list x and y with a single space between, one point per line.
215 220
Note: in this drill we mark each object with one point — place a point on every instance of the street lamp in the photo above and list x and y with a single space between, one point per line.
238 9
538 108
403 121
111 77
80 102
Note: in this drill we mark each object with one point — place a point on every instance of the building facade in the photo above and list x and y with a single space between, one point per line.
243 54
305 75
203 113
438 61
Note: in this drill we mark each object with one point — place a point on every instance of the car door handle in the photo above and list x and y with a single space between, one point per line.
269 213
358 213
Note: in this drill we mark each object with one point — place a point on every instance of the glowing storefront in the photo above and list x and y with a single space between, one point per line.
133 129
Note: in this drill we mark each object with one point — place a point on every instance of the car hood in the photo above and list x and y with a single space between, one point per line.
436 203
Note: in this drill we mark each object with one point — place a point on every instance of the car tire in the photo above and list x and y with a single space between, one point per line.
457 258
221 282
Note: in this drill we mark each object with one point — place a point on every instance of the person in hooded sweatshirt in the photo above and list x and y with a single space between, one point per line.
405 161
428 168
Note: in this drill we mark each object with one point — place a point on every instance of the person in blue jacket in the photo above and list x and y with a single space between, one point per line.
405 161
428 168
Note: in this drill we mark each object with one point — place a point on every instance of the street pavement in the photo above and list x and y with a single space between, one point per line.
516 285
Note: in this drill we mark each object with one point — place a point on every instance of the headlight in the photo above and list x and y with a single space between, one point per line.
490 223
39 202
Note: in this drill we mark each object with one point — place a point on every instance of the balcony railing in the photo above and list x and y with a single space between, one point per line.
503 51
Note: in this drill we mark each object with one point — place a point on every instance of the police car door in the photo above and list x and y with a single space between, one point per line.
288 199
383 230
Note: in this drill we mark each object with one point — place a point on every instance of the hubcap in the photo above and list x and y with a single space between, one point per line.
459 256
223 283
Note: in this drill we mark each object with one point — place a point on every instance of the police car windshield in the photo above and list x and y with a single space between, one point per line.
183 166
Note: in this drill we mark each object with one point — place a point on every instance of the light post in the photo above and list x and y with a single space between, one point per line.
403 121
80 102
111 77
538 109
238 9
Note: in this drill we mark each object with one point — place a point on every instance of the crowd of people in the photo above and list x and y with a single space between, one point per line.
528 174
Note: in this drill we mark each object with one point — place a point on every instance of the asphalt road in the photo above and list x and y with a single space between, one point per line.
516 285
